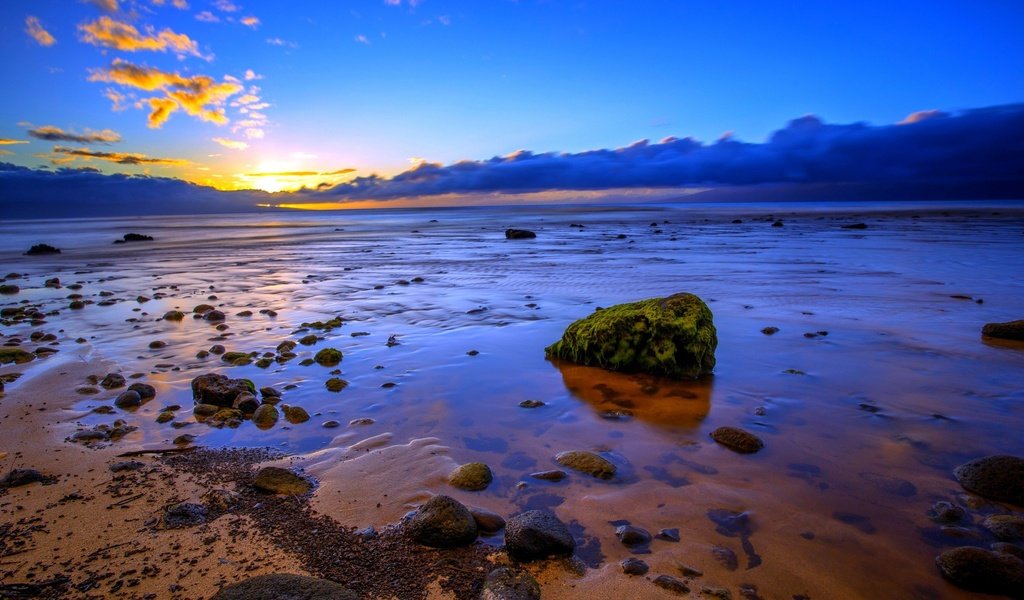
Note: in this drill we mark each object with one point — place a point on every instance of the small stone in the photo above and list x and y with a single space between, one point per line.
505 583
184 514
331 424
128 399
632 536
634 566
531 404
980 570
328 357
112 381
19 477
283 586
587 462
537 534
443 522
667 582
275 480
737 439
246 402
689 571
474 476
126 465
144 390
1011 330
999 478
265 416
336 384
770 330
552 475
519 234
294 414
487 522
1007 528
184 439
669 535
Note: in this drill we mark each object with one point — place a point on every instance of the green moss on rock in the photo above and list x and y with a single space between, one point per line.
328 357
14 355
472 477
672 337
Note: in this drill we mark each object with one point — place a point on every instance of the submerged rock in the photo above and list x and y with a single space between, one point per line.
285 587
982 570
505 583
473 477
1005 527
265 416
999 477
144 390
128 399
294 414
213 388
590 463
537 534
1011 330
486 521
673 337
328 357
519 234
276 480
14 355
667 582
634 566
737 440
443 522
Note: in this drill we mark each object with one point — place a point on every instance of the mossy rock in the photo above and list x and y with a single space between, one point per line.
275 480
282 586
173 315
590 463
328 357
1012 330
473 477
737 440
336 384
671 337
265 416
14 355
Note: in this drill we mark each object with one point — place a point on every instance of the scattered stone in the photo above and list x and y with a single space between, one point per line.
165 417
443 522
473 477
946 512
505 583
1011 330
331 424
112 381
998 477
285 587
980 570
336 384
205 410
15 355
770 330
39 249
157 344
689 571
726 557
269 392
214 315
667 582
328 357
634 566
246 402
184 439
128 399
519 234
552 475
737 440
9 289
669 535
531 404
631 536
19 477
309 340
537 534
265 416
275 480
722 593
184 514
487 522
361 421
126 465
144 390
672 336
136 237
586 462
294 414
1007 528
219 390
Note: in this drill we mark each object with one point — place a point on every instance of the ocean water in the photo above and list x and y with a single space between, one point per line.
862 425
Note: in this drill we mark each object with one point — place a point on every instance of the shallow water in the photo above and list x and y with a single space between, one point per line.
860 440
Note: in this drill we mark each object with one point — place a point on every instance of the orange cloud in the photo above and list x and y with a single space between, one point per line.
51 133
200 96
232 144
106 5
10 142
109 33
36 31
251 21
121 158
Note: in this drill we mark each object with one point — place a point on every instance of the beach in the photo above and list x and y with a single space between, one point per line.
874 386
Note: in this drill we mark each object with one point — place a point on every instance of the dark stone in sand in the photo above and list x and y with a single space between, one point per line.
946 512
214 315
265 416
672 336
336 384
112 381
15 355
9 289
519 234
634 566
473 477
669 535
294 414
998 477
982 570
770 330
667 582
537 534
269 392
202 309
486 521
1005 527
505 583
285 587
308 340
128 399
126 465
42 249
275 480
726 557
328 357
443 522
587 462
137 237
531 404
632 536
552 475
19 477
184 514
246 402
144 390
217 389
205 410
1011 330
737 440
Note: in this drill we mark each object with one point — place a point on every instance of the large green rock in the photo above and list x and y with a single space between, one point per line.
671 337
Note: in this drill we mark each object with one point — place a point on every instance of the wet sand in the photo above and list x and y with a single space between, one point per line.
862 426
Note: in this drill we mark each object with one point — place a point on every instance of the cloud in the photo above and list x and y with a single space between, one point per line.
106 32
232 144
226 6
200 96
251 21
251 75
279 42
207 17
110 6
983 145
179 4
10 142
64 154
362 39
300 173
36 31
4 152
51 133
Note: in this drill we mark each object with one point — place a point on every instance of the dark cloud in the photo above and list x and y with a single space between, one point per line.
51 133
61 155
980 145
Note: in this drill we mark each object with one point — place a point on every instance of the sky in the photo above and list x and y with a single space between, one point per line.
386 99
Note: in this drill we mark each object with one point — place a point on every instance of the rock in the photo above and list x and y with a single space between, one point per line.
205 410
128 399
202 308
144 390
328 357
294 414
531 404
634 566
19 477
537 534
726 557
15 355
737 439
672 337
998 477
9 288
220 500
722 593
443 522
275 480
269 392
112 381
265 416
486 521
184 439
1011 330
1005 527
308 340
632 536
669 535
331 424
770 330
982 570
505 583
1005 548
42 249
519 234
184 514
213 388
472 477
336 384
246 402
856 226
586 462
285 587
214 315
689 571
946 512
552 475
667 582
137 237
126 465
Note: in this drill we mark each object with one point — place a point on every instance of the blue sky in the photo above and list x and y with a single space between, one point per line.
366 87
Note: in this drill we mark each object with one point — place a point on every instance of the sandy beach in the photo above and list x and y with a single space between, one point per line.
874 386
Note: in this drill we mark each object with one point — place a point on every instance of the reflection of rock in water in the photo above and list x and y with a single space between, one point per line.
652 399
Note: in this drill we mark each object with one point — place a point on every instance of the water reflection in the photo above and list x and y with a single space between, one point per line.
655 400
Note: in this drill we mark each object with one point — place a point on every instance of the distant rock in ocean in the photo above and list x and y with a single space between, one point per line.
519 234
134 237
42 249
